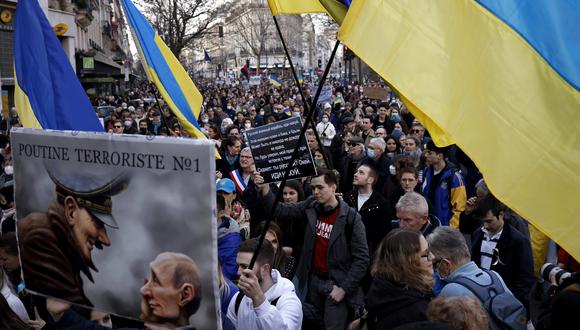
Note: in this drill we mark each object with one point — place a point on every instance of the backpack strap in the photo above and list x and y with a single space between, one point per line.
481 292
241 296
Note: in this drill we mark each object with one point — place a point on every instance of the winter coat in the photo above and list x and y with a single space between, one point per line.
515 264
228 240
347 260
50 254
390 305
375 216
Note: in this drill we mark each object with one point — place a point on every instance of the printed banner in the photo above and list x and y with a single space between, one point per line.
99 213
272 146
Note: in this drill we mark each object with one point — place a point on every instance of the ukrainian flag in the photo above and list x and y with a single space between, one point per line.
47 92
165 71
295 7
335 8
274 80
502 78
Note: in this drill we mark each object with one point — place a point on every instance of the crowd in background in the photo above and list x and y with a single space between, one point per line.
380 238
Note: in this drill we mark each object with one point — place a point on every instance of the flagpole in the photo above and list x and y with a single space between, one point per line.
151 85
306 106
309 114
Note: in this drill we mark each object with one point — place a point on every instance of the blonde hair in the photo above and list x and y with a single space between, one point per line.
398 259
460 313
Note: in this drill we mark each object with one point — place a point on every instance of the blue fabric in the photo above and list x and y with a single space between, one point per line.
442 204
345 2
46 76
228 251
552 28
155 60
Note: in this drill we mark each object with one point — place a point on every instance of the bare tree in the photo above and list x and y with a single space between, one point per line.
179 22
252 28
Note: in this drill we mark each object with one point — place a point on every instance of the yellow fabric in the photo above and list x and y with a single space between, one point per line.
486 87
192 95
23 107
457 199
295 7
539 243
335 9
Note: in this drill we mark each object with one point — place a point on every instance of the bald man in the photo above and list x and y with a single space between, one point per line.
172 292
170 295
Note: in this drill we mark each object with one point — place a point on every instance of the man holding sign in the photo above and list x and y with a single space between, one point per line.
335 254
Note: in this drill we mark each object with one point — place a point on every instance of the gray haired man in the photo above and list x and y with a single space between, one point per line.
413 213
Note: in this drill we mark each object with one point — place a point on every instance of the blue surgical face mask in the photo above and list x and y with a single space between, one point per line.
371 153
396 118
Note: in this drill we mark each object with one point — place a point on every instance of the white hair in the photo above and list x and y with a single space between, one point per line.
414 202
380 142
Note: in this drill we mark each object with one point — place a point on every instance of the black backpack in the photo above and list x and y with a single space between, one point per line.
504 310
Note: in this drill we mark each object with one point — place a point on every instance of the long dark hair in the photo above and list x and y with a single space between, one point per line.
397 143
296 186
280 256
398 260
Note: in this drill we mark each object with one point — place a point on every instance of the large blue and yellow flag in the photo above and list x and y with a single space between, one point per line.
334 8
502 79
47 94
165 71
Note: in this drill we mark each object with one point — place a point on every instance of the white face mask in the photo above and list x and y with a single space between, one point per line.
325 120
262 113
392 170
247 125
128 123
8 169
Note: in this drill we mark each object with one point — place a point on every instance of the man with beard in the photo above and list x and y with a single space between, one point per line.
56 246
268 301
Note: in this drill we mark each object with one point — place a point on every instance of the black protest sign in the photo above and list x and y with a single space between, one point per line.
272 146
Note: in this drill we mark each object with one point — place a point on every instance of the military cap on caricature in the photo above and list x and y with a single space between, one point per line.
56 246
92 192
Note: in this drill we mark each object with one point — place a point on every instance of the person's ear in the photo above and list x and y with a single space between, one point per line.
500 215
187 294
71 209
266 270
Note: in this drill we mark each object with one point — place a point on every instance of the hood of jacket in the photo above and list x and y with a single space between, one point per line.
281 286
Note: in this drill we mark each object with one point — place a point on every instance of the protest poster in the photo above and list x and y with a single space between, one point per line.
375 93
99 213
325 94
272 146
255 80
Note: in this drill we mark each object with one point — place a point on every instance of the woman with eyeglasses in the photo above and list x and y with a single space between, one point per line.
402 281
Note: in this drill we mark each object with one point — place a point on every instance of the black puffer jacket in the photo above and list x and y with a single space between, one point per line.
391 305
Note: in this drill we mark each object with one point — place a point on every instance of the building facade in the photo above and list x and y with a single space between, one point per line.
92 34
245 33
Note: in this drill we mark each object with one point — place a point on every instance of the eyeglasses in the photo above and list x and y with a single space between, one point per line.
416 131
353 144
427 254
118 126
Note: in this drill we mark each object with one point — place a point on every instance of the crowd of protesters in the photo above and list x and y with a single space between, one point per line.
392 232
